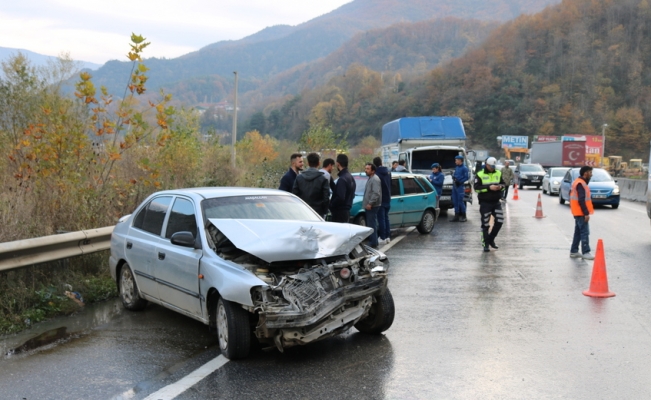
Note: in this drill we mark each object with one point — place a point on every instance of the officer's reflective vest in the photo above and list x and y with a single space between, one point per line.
574 198
493 178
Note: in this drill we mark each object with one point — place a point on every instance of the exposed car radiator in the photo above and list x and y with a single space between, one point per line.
307 288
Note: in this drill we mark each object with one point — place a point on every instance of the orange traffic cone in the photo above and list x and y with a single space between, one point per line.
515 192
539 213
599 281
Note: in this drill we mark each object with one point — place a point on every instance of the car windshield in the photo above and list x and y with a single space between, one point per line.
258 207
531 168
559 171
360 184
600 175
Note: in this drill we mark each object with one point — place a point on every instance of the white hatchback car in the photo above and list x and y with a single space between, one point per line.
551 183
252 264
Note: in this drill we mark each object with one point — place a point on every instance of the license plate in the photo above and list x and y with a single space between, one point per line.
535 179
446 198
599 196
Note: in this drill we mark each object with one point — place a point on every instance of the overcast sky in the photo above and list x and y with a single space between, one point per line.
98 31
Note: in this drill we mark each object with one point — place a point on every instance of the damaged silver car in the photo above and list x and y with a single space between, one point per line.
252 264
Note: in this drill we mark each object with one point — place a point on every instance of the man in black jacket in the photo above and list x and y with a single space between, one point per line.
296 166
344 193
313 187
384 226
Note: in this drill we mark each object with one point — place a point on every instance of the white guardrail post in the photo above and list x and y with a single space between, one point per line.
49 248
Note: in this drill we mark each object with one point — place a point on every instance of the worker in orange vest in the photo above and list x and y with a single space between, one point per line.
581 206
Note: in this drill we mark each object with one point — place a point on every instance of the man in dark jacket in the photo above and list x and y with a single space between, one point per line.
344 193
384 226
313 187
489 186
296 166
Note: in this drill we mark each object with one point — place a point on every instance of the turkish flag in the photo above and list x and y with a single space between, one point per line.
573 154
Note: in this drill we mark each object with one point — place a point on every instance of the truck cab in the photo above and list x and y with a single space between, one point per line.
418 160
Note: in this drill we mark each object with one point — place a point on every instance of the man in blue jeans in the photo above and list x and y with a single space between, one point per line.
581 207
383 223
372 201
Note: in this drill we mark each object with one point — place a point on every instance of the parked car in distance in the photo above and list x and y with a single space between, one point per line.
603 188
529 175
413 202
551 182
252 264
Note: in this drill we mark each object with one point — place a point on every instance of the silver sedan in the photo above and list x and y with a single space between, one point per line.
252 264
552 180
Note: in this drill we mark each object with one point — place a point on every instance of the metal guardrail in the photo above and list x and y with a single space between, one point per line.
50 248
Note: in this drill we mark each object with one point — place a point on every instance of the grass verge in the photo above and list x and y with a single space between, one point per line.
33 294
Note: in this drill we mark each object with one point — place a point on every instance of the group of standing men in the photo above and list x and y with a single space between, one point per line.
315 186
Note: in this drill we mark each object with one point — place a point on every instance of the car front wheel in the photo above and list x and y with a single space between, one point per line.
380 316
129 293
615 206
560 197
233 330
426 222
360 220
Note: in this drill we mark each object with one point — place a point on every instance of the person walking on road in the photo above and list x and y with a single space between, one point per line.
489 186
460 176
344 193
437 178
384 225
372 202
313 187
581 207
296 166
507 177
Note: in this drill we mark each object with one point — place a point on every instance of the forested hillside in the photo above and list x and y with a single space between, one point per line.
566 70
276 49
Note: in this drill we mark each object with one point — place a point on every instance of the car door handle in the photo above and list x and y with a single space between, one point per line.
129 245
161 256
425 197
401 200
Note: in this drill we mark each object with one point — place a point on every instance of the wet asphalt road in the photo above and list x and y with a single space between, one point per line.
509 324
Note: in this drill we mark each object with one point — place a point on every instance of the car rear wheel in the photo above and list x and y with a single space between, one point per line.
129 293
615 206
380 316
233 330
360 220
545 190
426 222
560 197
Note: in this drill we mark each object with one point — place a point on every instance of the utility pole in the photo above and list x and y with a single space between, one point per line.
234 134
603 143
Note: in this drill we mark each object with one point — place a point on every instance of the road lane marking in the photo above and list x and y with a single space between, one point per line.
171 391
395 241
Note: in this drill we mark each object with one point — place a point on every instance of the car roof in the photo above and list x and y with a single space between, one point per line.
210 192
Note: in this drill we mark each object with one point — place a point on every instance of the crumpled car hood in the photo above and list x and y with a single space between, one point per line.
282 240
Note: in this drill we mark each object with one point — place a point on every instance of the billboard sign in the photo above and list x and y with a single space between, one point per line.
546 138
517 142
593 144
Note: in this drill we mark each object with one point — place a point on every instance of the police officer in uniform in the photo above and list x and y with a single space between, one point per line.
489 186
460 176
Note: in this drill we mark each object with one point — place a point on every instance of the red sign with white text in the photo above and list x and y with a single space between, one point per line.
593 144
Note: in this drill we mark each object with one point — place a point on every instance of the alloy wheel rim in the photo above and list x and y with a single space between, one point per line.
127 286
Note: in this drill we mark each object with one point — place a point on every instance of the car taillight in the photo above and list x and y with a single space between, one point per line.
344 273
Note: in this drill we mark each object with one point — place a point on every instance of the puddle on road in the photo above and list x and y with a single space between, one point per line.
61 329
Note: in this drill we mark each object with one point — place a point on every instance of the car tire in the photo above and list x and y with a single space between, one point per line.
537 187
545 191
360 220
560 197
426 222
233 330
129 293
615 206
380 316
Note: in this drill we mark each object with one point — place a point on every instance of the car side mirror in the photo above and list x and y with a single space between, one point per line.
183 238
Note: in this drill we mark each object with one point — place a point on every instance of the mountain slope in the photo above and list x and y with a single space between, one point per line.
38 60
277 49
